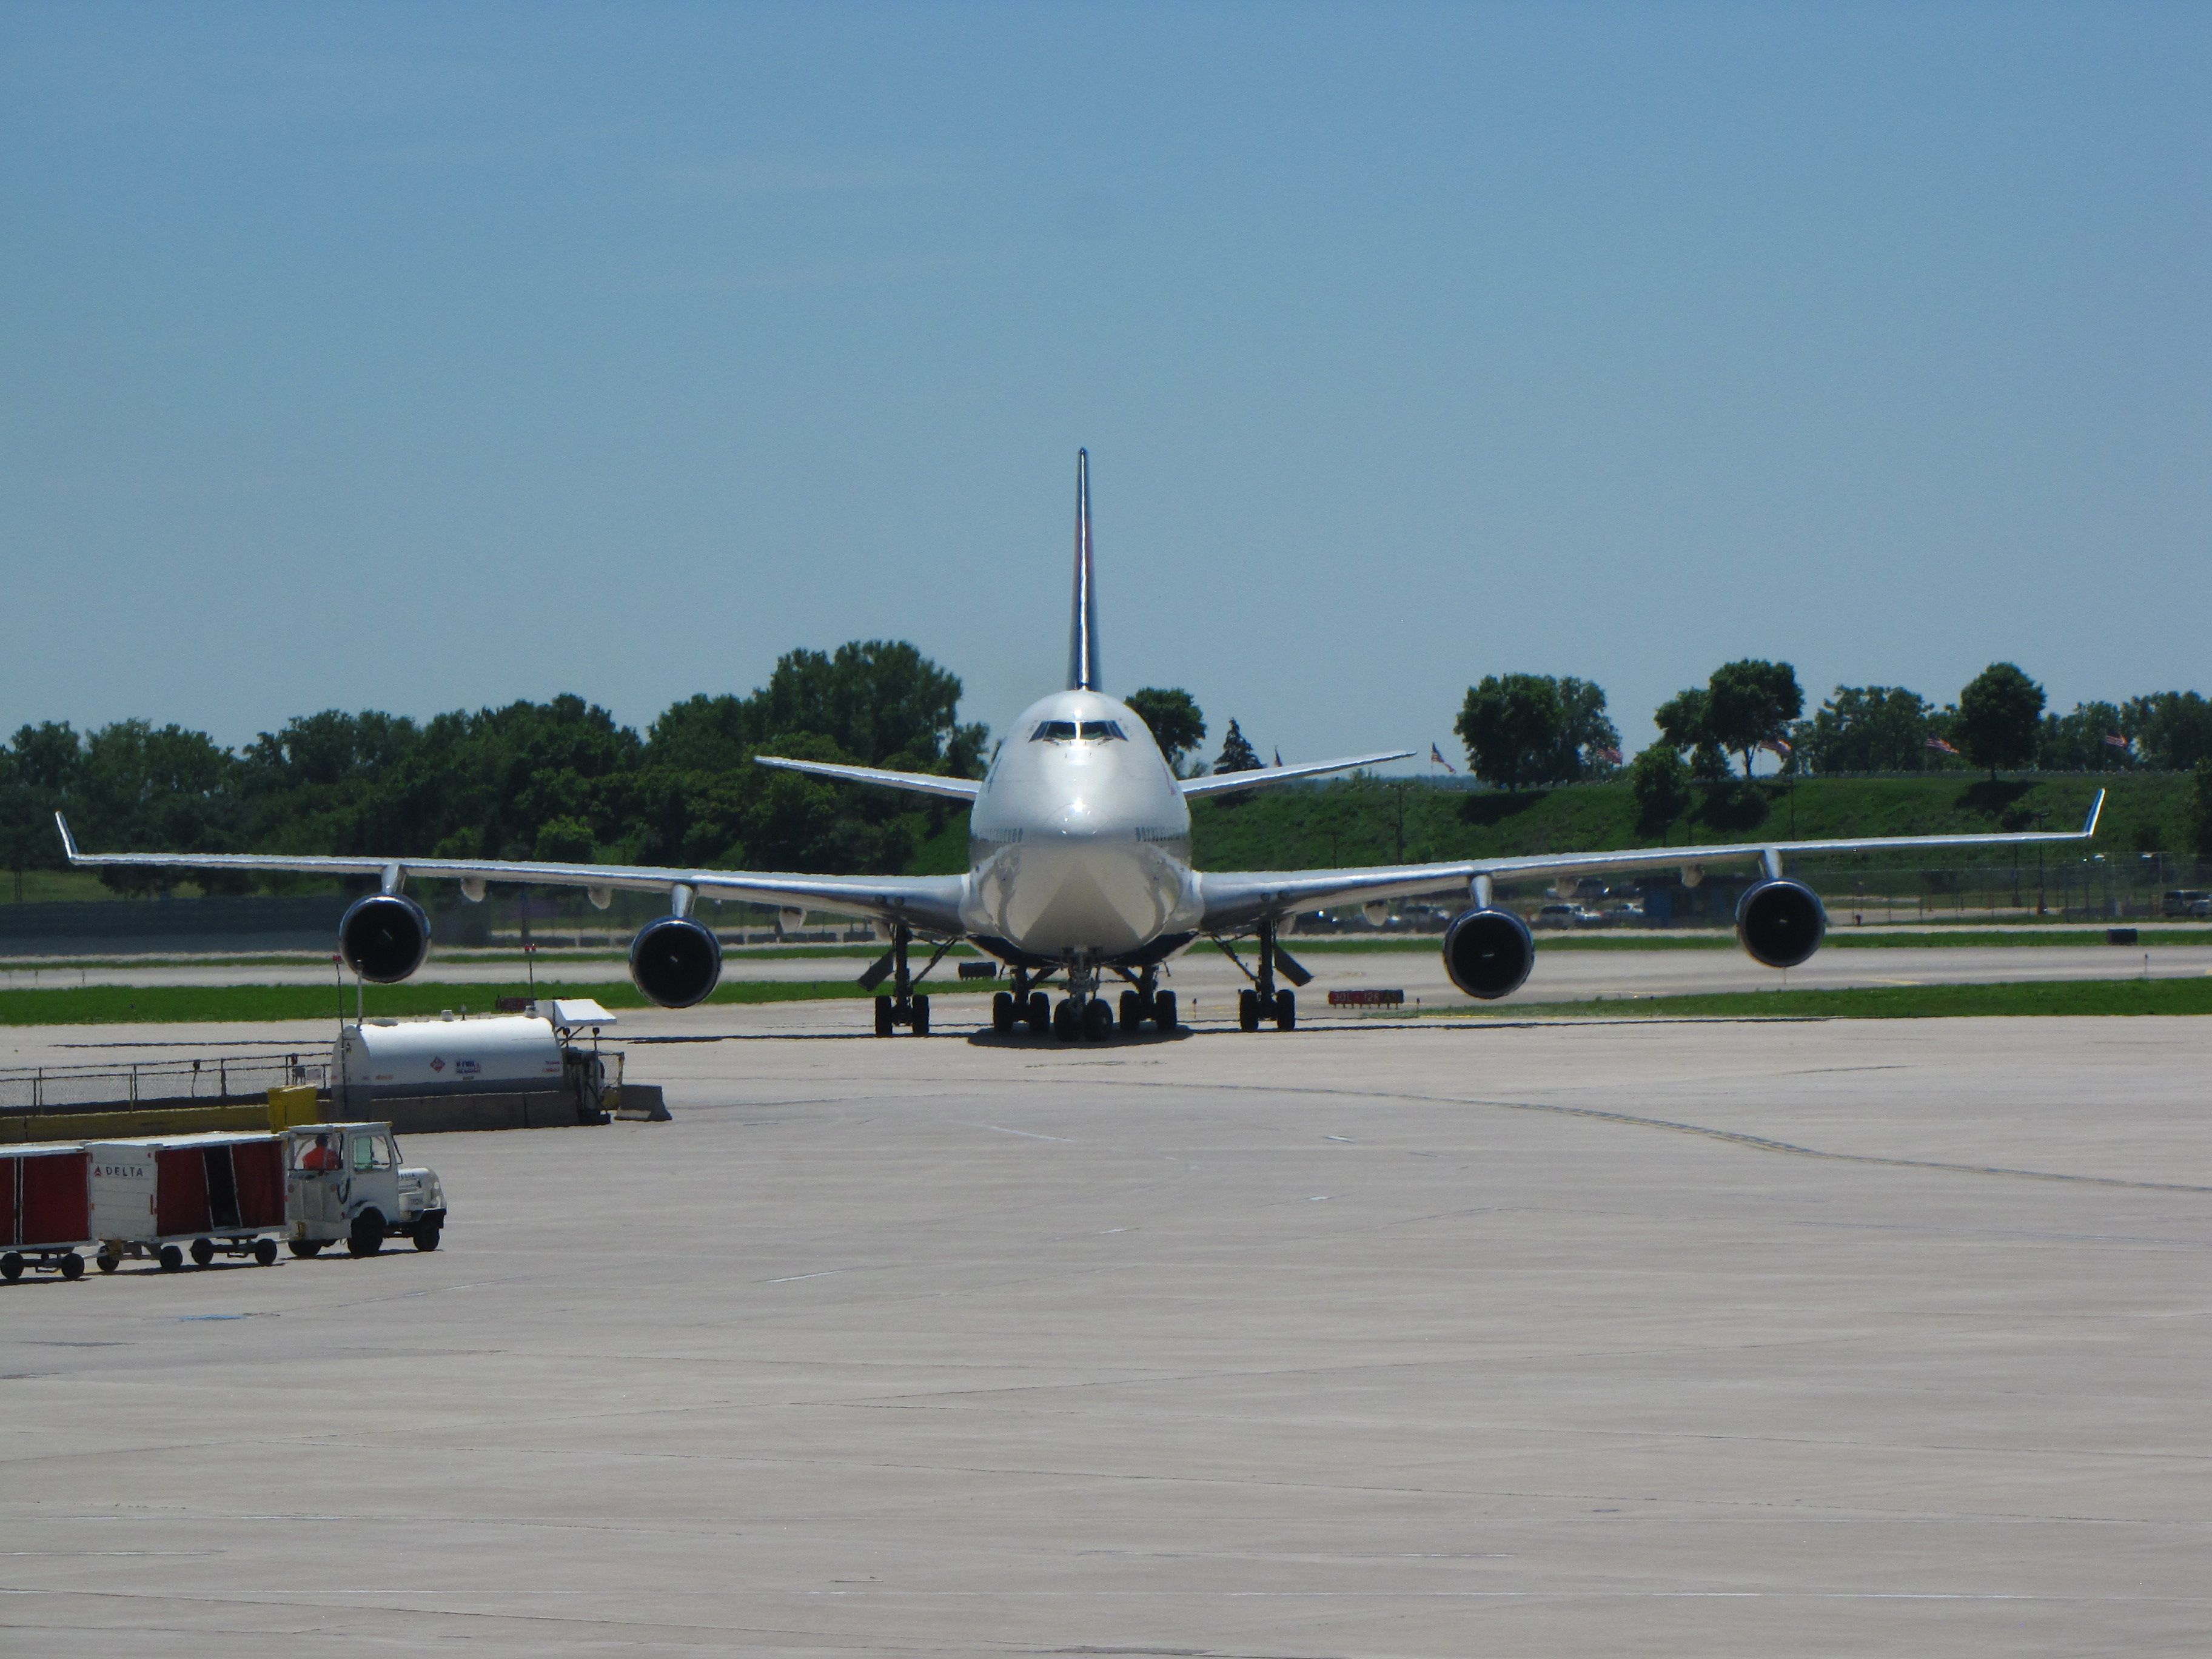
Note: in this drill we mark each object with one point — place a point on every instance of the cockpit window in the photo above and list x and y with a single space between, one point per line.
1079 731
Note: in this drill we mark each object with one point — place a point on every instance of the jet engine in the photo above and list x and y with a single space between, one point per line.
1488 954
384 937
1780 922
675 962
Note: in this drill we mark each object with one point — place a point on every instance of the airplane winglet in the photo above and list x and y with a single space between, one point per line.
68 841
2096 807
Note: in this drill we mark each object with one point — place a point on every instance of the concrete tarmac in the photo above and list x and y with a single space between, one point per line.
1808 1338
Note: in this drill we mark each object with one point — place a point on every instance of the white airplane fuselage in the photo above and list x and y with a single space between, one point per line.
1079 843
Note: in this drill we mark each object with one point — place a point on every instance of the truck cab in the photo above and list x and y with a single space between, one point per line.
345 1181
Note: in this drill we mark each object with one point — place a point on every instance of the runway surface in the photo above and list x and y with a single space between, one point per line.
1666 1339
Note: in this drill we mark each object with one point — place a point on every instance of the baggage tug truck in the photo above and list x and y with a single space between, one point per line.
238 1193
344 1181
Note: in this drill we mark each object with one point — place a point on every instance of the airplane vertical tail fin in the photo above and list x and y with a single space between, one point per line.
1083 631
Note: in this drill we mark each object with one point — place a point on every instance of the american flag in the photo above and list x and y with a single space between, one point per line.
1436 756
1610 756
1939 745
1774 746
2115 740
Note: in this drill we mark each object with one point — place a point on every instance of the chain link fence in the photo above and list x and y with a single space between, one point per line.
214 1080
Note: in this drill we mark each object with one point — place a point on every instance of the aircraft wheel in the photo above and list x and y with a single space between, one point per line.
1286 1011
1163 1010
1040 1013
1098 1020
203 1252
1248 1010
367 1237
921 1017
1132 1012
1002 1012
884 1026
1065 1021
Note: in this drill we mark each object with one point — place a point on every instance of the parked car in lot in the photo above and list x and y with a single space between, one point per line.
1556 916
2188 902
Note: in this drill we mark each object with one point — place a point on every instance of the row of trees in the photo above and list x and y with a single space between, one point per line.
560 780
1524 730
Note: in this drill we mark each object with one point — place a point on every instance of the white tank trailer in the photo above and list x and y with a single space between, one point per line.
504 1054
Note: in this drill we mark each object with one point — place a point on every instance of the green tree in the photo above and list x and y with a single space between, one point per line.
37 770
2200 807
1513 728
1684 722
2081 741
1175 720
1866 728
1998 715
1750 703
2173 729
1237 755
1661 784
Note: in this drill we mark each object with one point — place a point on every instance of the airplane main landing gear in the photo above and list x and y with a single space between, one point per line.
1263 1003
904 1005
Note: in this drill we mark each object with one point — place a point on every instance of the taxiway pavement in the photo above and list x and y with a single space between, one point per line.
1656 1338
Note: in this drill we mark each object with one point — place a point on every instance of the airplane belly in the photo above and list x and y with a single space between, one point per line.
1081 900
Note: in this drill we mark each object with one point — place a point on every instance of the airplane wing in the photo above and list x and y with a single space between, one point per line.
929 904
1223 783
1238 899
921 783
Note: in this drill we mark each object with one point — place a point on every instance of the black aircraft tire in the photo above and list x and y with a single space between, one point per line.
922 1016
884 1027
1163 1010
1286 1011
1040 1014
1248 1010
1002 1012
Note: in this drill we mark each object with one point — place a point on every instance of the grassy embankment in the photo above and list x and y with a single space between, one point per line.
1357 821
2047 997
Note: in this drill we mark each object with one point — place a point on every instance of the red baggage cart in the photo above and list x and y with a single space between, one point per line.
45 1208
209 1194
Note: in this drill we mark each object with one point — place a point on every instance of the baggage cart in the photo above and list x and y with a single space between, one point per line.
45 1208
162 1197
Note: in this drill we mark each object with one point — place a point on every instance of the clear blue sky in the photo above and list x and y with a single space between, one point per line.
419 357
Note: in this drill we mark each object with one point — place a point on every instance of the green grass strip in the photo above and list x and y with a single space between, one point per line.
169 1005
2045 997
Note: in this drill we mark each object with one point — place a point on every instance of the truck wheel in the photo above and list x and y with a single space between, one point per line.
171 1258
203 1252
264 1251
107 1261
11 1266
426 1238
367 1237
304 1248
72 1265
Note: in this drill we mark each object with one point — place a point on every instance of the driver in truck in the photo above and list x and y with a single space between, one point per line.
321 1156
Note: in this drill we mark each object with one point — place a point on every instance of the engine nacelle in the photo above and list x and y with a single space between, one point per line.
1488 954
384 937
1780 922
675 961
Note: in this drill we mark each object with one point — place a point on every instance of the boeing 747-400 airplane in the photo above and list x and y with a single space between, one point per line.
1079 869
